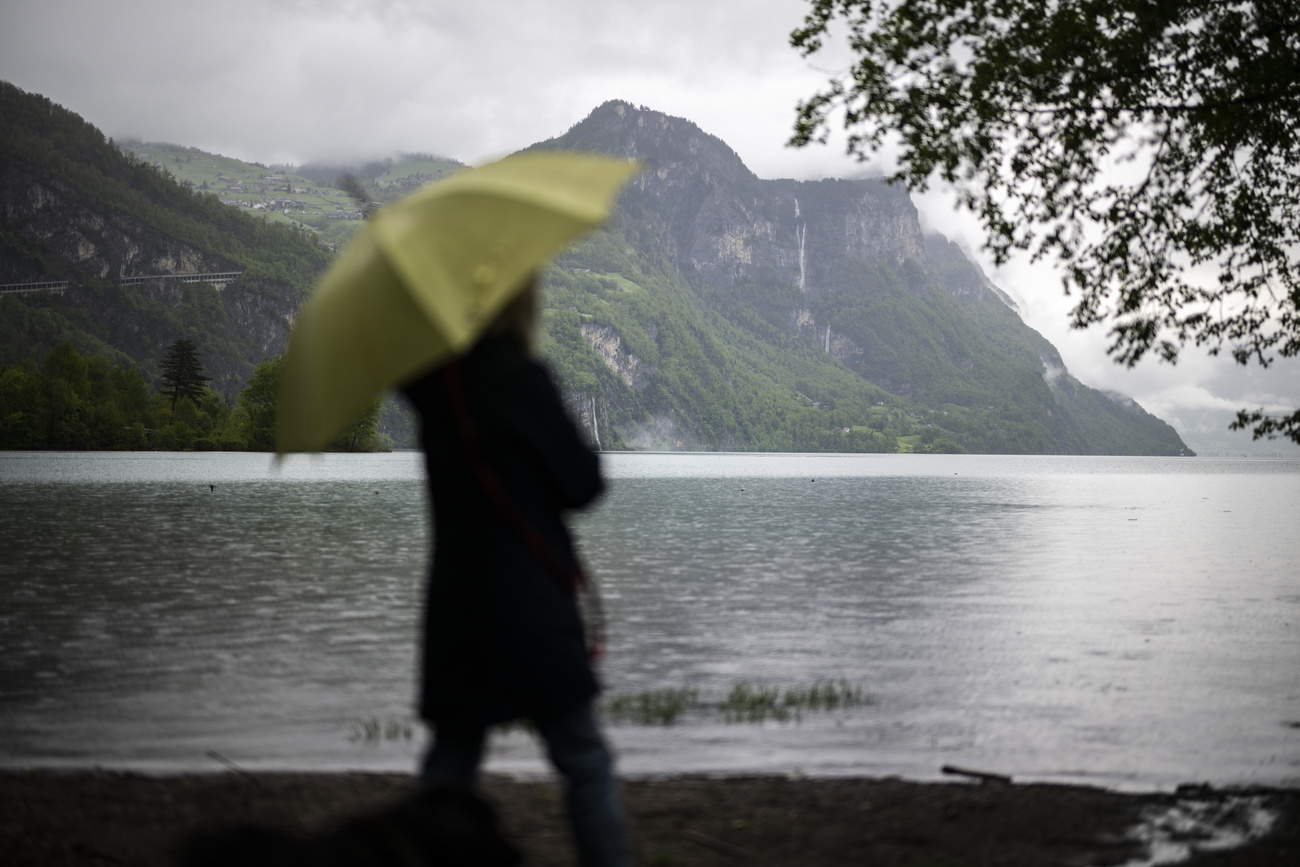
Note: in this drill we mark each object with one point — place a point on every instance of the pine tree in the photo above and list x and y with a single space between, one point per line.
182 373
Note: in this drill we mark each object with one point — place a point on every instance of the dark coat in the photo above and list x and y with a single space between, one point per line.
503 635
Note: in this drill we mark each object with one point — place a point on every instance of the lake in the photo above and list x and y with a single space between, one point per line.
1130 622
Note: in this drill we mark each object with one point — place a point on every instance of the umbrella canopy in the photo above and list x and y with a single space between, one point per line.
426 276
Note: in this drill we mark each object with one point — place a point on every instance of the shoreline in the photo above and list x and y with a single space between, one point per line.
83 817
220 765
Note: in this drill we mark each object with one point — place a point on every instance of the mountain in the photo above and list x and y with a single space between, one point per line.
76 208
796 295
718 311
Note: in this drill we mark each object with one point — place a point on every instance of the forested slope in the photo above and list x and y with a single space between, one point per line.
717 311
77 208
738 312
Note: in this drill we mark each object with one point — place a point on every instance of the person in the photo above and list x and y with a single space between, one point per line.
503 635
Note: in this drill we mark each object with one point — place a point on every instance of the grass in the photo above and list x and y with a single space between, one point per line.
660 707
373 730
759 702
746 702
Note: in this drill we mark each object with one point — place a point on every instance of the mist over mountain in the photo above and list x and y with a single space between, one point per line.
717 311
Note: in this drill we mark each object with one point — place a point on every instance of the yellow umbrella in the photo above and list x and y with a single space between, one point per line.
426 276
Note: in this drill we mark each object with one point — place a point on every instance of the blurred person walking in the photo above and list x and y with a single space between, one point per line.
439 294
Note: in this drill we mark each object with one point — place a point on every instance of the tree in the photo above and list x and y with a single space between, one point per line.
21 406
258 400
67 385
182 374
1153 148
360 434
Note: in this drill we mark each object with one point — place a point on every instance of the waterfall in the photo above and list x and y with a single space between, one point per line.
828 338
801 232
796 209
594 432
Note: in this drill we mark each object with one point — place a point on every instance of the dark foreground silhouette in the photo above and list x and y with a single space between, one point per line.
86 818
444 826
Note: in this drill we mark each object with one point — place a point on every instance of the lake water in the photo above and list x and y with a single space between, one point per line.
1132 622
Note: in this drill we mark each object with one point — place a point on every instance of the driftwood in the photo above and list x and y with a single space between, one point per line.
982 776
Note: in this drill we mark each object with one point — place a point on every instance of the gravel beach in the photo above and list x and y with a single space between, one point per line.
102 818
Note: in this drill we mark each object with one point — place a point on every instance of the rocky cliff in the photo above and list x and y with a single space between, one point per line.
73 207
47 212
842 268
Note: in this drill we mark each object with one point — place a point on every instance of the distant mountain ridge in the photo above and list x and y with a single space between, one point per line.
843 265
718 311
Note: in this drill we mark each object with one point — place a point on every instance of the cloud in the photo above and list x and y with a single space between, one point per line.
295 80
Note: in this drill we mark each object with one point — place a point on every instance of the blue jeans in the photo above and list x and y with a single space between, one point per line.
579 753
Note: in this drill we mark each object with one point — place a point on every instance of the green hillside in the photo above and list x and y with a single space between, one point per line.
77 208
684 376
806 315
301 196
717 311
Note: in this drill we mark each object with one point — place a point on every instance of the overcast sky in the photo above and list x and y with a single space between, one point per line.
311 80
